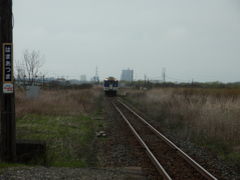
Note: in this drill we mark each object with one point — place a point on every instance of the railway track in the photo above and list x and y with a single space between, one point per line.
170 161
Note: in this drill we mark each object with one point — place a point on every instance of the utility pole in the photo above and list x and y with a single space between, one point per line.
145 79
164 74
96 77
43 81
7 95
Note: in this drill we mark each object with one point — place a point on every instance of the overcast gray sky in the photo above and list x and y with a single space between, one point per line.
192 39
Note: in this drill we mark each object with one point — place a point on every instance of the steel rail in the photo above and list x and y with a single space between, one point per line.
194 164
157 164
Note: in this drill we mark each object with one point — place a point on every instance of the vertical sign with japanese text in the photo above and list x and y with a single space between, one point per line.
8 68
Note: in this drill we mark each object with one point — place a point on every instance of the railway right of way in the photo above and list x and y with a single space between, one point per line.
170 161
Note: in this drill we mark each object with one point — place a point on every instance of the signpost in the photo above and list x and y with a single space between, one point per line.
7 68
7 96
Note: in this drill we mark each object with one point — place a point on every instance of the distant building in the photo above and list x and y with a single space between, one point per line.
127 75
83 78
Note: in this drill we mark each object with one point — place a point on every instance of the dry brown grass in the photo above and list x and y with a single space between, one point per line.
57 102
63 119
206 115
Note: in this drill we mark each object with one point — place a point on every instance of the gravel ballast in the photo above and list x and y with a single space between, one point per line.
42 173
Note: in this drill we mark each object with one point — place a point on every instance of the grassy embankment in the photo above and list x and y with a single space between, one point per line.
207 117
65 120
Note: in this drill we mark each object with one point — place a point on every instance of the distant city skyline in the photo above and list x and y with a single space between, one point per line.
127 75
192 39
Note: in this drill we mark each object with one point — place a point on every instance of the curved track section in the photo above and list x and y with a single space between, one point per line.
170 161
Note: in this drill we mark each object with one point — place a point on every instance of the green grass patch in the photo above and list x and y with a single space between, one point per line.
69 138
234 157
224 151
8 165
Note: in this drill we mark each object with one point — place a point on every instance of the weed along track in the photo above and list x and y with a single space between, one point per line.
170 161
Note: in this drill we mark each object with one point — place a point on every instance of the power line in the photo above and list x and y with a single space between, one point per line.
177 79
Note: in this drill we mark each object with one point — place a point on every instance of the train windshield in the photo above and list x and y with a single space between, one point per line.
114 83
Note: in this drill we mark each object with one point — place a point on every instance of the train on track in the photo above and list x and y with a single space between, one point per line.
110 86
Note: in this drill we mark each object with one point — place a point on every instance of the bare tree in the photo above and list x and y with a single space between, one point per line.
19 71
32 62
